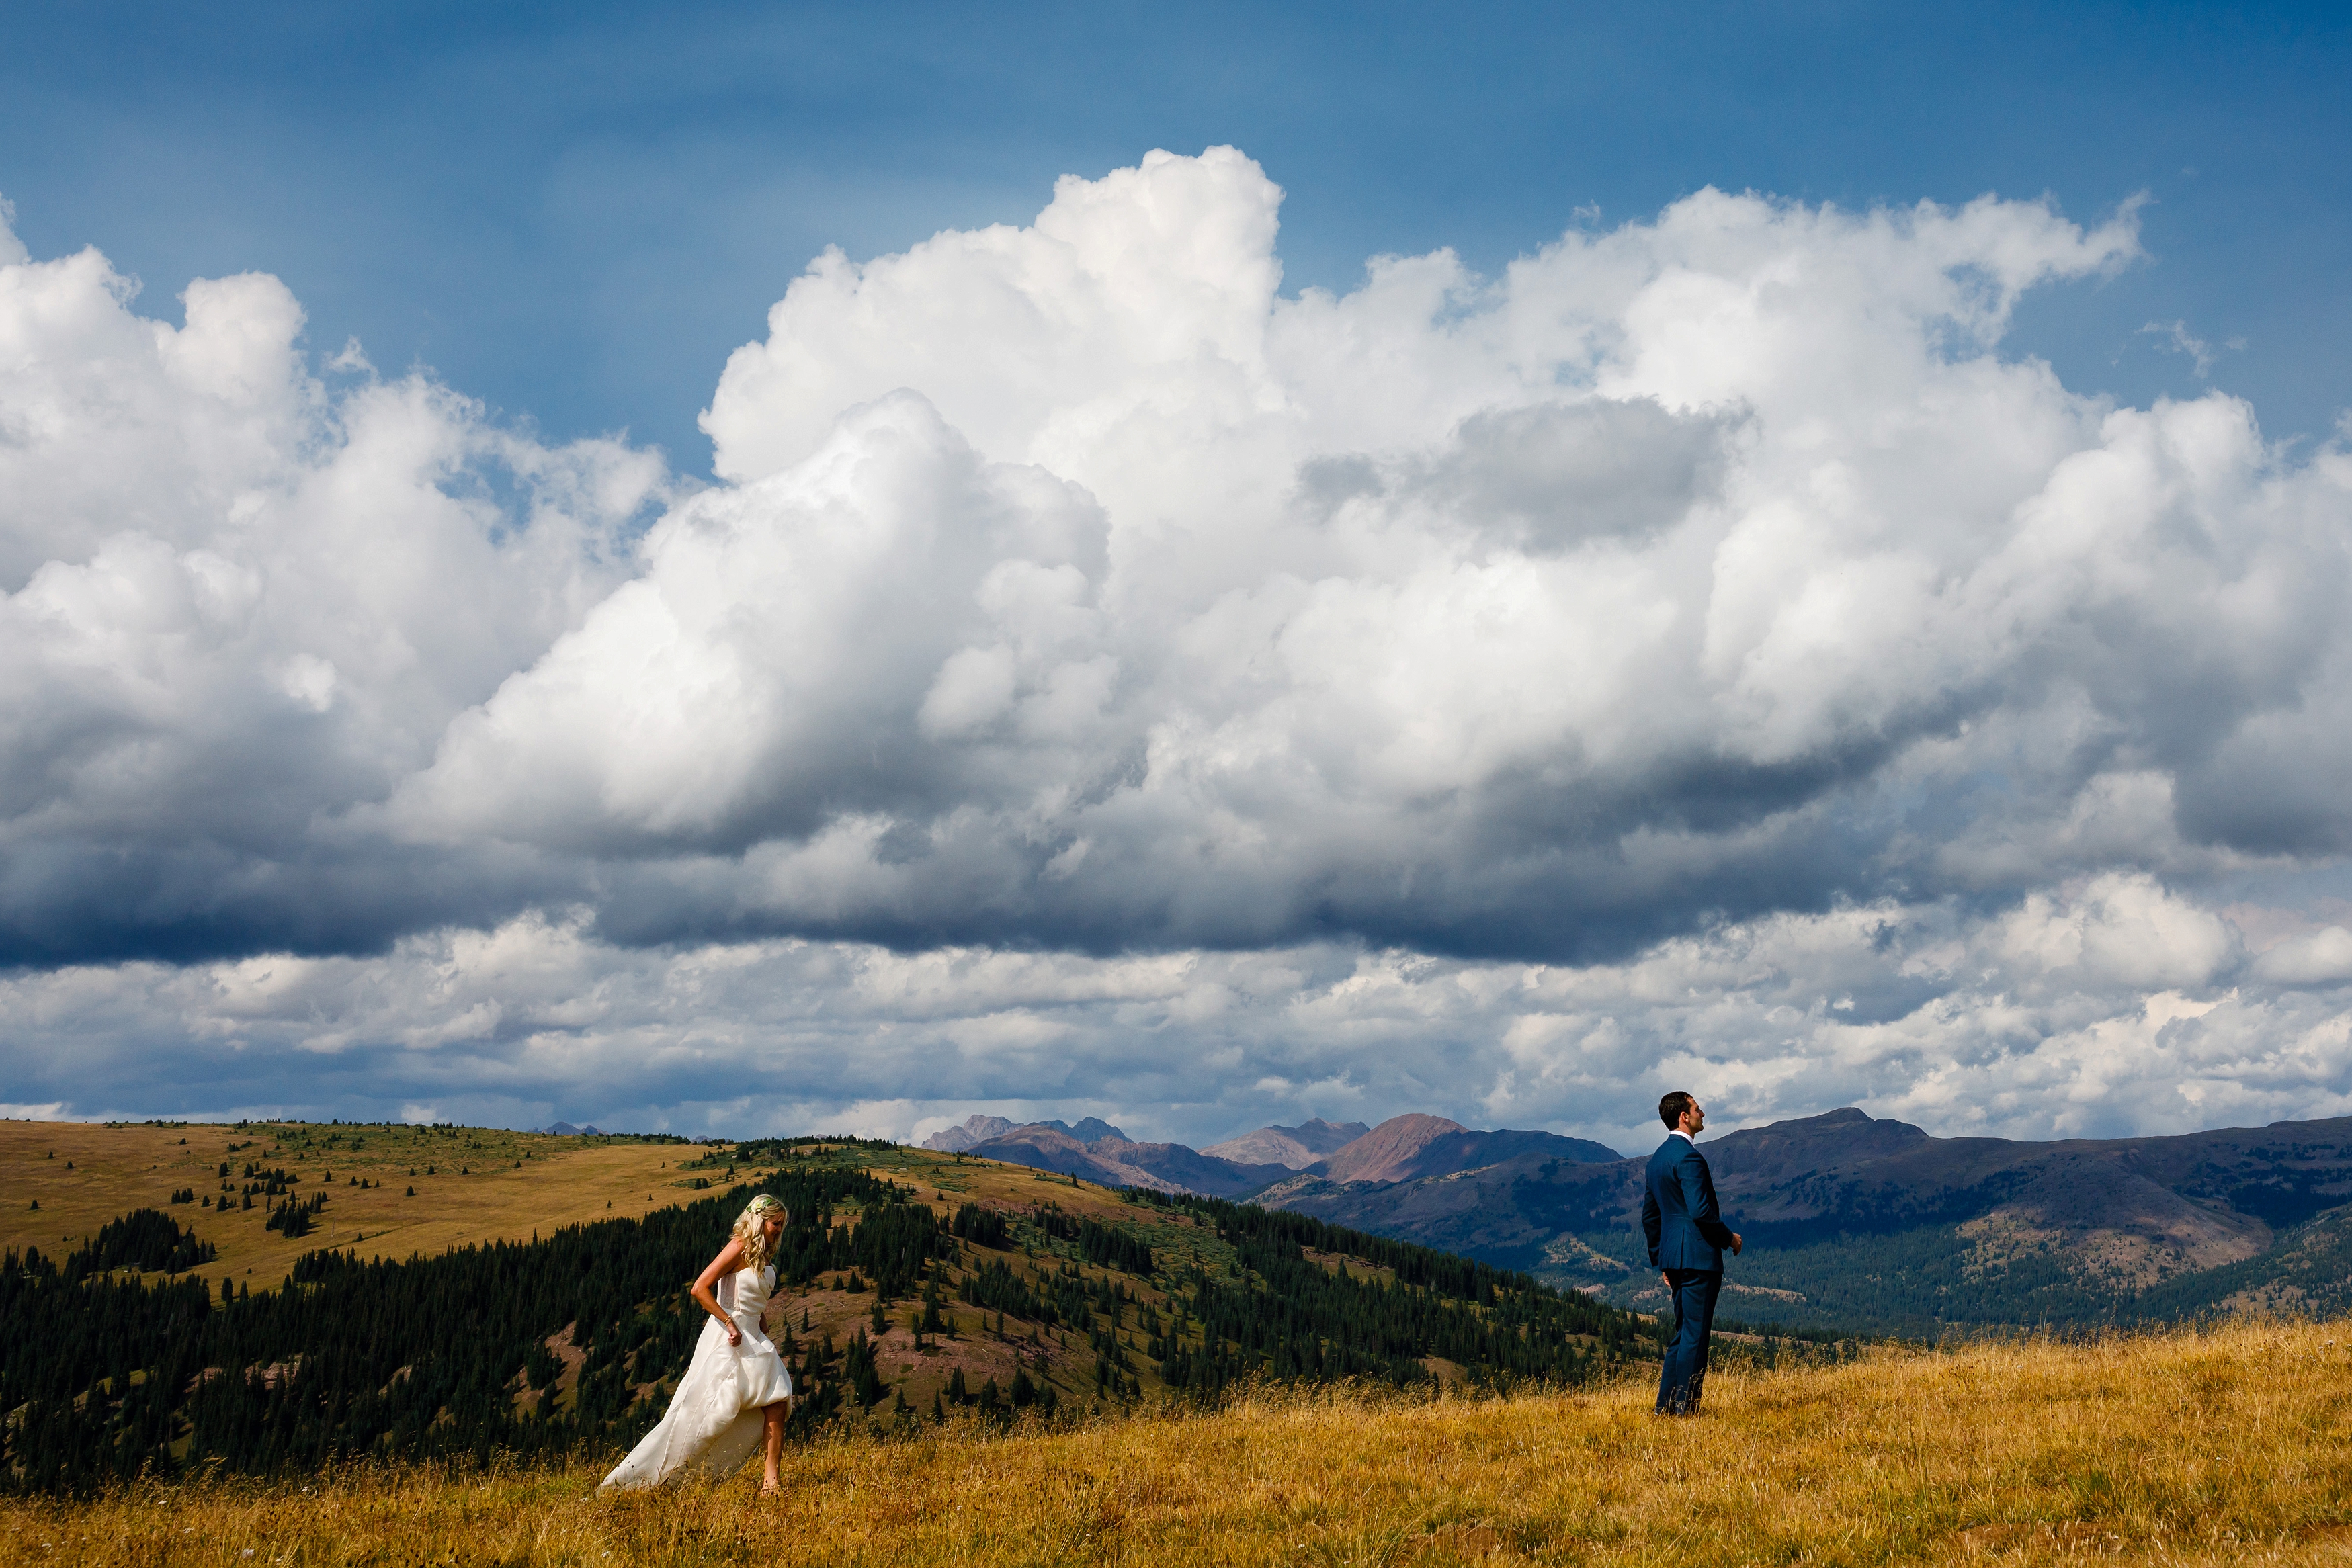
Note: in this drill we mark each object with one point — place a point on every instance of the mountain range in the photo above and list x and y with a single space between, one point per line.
1851 1222
1401 1149
1876 1225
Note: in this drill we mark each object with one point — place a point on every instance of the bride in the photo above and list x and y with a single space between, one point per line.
737 1384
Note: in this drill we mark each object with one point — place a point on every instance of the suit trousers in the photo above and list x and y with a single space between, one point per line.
1684 1374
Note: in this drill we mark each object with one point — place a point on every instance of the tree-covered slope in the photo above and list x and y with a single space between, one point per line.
909 1283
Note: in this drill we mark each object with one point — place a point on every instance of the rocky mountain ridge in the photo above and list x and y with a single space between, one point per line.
1859 1222
1401 1148
978 1130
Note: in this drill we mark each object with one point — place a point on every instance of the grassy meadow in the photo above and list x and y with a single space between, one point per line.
2226 1444
60 1181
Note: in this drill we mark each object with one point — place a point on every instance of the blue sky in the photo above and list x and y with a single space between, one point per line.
575 212
1836 640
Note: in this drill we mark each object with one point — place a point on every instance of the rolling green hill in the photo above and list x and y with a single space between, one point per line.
385 1190
909 1282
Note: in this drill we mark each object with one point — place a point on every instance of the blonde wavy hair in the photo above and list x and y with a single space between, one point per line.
749 1228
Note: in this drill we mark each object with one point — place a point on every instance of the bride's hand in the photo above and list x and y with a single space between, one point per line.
734 1334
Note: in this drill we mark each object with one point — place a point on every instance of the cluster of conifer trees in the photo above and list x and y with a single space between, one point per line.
141 1239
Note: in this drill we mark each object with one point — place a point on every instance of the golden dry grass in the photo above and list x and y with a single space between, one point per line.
83 1175
487 1183
2227 1445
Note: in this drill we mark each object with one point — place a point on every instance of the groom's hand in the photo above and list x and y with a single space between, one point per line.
1668 1282
1736 1244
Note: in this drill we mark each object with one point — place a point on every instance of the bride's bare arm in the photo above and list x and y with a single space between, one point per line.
730 1259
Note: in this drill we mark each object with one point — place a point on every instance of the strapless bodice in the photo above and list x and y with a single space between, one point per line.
743 1295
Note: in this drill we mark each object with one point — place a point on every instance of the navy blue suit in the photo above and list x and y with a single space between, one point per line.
1685 1228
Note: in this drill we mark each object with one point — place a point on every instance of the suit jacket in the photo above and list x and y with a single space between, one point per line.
1679 1215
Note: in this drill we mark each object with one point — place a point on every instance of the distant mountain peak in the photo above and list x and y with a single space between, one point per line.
1387 1152
1297 1147
1848 1116
975 1129
1845 1130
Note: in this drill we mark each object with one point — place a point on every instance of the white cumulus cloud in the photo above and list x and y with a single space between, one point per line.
1068 589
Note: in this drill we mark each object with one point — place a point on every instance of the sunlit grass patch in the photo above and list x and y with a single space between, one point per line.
2224 1446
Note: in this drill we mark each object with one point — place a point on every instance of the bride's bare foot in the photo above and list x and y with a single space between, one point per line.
768 1488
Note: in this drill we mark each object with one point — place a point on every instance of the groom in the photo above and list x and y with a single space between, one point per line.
1686 1236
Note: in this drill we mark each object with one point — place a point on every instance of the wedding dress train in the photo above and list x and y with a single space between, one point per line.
713 1423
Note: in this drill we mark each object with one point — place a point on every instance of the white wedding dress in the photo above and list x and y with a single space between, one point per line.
713 1423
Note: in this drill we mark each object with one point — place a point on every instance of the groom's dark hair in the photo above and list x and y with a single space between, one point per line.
1671 1108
